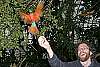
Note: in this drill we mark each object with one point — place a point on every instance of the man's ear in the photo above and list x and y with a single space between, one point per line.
91 53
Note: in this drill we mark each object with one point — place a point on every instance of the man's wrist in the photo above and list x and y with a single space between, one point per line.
49 49
50 52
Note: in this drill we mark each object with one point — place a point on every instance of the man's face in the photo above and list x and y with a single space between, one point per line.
83 52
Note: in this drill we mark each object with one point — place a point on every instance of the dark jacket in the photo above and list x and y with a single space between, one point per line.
55 62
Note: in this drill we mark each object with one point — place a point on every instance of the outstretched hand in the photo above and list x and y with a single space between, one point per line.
43 42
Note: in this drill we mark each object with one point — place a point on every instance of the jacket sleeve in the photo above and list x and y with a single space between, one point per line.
55 62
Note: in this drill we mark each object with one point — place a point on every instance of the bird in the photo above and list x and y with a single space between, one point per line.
33 16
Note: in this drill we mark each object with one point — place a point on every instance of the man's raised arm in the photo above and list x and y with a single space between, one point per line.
53 59
45 44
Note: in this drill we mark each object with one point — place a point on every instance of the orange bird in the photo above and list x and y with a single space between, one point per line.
33 16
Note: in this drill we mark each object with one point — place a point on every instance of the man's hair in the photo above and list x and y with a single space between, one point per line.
85 42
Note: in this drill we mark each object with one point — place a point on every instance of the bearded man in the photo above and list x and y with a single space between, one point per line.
83 50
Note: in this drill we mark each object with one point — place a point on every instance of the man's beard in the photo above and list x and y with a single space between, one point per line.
85 57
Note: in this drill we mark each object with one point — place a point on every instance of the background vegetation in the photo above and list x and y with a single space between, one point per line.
65 29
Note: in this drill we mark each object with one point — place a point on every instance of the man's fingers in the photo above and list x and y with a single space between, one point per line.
41 40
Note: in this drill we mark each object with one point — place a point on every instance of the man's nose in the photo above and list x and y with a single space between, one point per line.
82 49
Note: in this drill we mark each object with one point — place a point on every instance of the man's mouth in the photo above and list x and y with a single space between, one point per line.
82 54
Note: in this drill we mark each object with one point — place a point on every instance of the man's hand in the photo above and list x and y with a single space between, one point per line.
45 44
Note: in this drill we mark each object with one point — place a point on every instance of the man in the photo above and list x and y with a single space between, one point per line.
84 54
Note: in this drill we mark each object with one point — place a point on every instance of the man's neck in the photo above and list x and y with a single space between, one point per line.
86 63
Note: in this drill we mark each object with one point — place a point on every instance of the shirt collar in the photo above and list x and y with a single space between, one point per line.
91 65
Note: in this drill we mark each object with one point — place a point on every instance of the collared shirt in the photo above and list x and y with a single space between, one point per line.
55 62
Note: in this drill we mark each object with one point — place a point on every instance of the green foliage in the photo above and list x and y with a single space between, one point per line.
60 30
62 25
58 15
10 28
9 24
